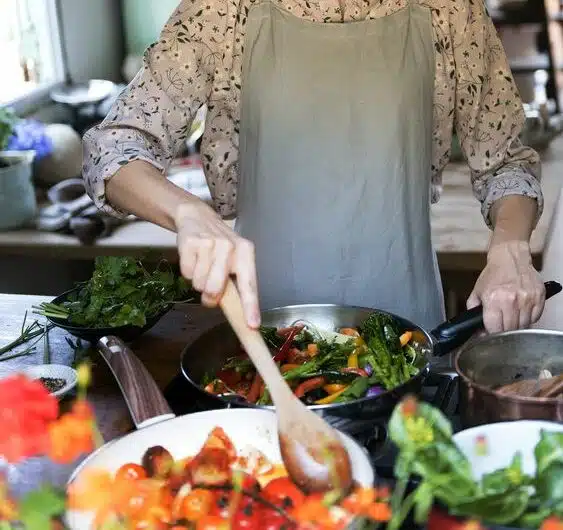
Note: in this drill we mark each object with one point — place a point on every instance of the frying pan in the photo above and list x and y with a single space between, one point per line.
208 353
183 436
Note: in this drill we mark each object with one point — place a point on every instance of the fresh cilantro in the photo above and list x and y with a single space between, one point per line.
121 292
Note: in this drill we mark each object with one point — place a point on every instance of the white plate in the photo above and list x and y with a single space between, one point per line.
503 441
55 371
184 436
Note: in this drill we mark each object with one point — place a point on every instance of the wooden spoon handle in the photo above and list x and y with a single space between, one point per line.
551 388
253 343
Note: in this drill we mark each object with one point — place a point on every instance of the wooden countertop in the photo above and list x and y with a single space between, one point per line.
460 235
159 349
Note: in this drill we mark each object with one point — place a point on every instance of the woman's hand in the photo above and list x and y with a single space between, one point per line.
210 252
509 288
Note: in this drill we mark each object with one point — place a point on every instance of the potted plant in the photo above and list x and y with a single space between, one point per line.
21 142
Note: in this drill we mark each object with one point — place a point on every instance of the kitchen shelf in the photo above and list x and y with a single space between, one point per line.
548 16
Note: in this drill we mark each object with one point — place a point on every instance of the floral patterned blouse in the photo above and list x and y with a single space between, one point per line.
198 61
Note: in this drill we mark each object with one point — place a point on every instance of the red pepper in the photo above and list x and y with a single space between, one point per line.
254 392
310 384
358 371
281 356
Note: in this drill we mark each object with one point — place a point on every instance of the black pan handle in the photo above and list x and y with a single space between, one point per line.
458 330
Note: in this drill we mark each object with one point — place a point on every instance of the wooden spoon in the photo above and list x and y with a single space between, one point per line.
312 451
547 388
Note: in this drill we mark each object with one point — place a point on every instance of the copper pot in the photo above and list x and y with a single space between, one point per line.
492 361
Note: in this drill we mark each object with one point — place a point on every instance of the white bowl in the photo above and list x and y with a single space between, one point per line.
503 441
55 371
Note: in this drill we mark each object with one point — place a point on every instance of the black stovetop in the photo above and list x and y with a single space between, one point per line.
440 389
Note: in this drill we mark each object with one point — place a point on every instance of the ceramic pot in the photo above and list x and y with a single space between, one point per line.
17 194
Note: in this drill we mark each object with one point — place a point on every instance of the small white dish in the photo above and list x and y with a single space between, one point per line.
501 442
54 371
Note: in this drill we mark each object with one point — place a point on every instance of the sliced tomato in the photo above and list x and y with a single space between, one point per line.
250 483
221 502
212 522
247 515
274 520
282 492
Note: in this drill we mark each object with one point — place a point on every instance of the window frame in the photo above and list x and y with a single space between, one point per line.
38 96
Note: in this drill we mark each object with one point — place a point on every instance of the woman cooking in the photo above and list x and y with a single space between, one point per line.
329 124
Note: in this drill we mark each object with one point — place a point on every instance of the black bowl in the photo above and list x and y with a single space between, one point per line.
125 333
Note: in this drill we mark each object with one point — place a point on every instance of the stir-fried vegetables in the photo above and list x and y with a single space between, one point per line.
218 488
324 367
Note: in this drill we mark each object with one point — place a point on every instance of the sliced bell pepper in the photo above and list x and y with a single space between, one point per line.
332 397
353 359
284 368
405 338
310 384
334 387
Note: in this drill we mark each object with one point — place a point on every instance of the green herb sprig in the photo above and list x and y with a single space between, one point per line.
28 333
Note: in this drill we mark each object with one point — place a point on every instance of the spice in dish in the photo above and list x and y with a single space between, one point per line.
53 384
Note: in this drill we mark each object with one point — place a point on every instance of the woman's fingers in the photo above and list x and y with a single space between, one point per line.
245 270
219 271
209 262
204 262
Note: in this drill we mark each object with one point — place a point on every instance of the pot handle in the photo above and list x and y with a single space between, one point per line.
458 330
143 397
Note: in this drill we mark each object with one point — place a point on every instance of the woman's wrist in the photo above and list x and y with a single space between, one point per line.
515 250
190 207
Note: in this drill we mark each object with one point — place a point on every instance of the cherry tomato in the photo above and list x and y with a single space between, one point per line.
220 507
274 520
212 522
130 472
283 493
197 504
247 515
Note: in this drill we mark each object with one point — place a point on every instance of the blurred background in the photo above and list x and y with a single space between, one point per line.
64 62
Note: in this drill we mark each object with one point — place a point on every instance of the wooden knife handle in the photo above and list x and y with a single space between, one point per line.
142 395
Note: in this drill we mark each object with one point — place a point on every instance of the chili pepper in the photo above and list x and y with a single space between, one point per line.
254 392
331 398
358 371
288 367
353 359
405 338
335 387
310 384
284 349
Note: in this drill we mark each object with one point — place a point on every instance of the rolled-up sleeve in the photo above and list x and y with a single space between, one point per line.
489 115
152 117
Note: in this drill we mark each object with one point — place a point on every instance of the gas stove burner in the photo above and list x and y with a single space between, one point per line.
377 442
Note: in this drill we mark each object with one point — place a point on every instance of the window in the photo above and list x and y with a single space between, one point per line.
31 56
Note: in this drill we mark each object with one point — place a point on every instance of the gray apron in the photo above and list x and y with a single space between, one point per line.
335 161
